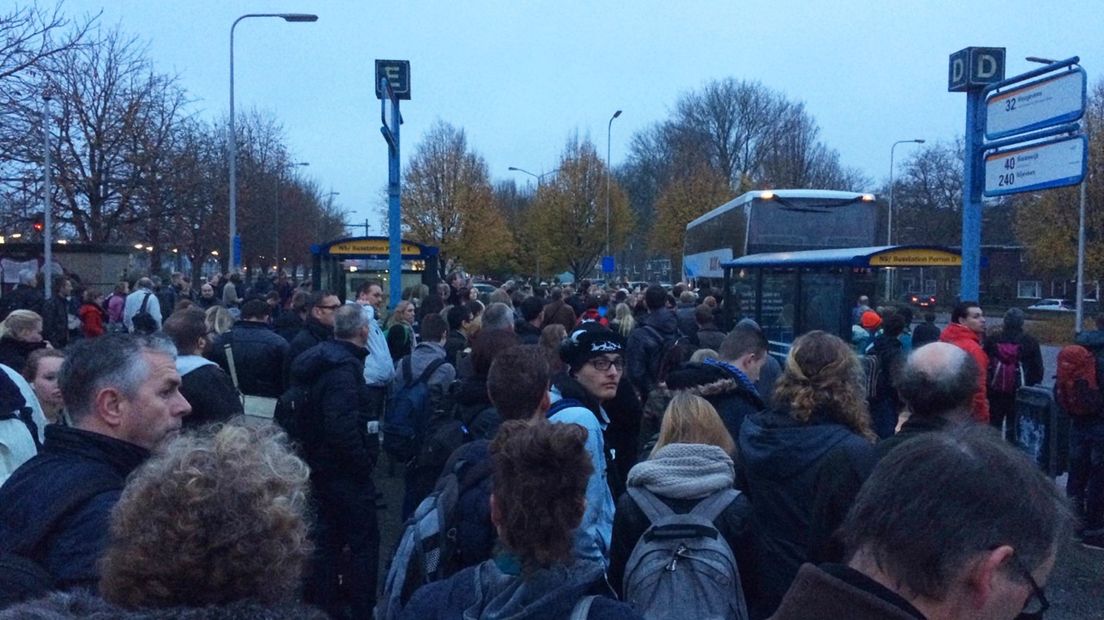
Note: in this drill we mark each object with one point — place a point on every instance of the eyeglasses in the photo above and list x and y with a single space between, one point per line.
333 307
1035 604
602 364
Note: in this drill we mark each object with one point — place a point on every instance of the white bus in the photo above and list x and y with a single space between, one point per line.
780 220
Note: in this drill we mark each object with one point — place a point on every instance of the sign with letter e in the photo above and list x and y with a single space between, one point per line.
975 67
1056 163
397 73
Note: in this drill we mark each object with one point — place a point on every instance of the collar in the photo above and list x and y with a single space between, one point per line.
859 580
121 455
738 374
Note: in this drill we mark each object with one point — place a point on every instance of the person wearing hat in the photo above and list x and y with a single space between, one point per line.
594 358
862 335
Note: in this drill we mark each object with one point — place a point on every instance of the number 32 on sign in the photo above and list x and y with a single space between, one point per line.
1035 167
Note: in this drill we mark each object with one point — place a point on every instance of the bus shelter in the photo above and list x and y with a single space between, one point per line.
790 293
343 265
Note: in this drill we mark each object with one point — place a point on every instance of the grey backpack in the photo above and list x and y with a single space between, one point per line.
682 567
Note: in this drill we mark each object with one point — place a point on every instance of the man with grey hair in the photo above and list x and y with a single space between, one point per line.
341 451
498 316
956 525
141 299
122 393
937 384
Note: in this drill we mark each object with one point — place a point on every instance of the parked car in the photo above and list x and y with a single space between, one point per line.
485 288
1052 305
920 300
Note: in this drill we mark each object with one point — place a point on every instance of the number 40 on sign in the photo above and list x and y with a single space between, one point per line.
1056 163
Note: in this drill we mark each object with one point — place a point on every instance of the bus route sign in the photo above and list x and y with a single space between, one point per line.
1050 101
1044 165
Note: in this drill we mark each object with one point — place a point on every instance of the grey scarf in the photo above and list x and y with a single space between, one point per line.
684 471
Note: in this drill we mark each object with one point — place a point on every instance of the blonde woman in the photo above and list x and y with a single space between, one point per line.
690 465
400 330
219 321
20 334
623 321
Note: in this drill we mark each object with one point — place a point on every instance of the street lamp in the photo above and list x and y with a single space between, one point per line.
538 177
288 17
279 177
889 222
609 129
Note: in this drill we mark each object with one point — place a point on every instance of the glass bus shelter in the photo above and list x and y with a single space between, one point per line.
343 265
790 293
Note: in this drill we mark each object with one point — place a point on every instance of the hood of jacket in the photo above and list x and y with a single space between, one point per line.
777 447
955 333
423 355
663 320
316 360
546 593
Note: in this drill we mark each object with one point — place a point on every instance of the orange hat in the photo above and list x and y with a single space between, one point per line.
870 320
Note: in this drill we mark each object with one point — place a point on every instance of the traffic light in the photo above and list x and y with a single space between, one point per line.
39 222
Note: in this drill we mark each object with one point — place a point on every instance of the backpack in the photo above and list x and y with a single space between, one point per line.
427 550
871 368
659 363
409 414
1076 389
682 567
23 578
293 413
1008 374
13 406
143 322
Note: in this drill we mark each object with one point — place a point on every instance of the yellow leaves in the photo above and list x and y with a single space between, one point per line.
685 198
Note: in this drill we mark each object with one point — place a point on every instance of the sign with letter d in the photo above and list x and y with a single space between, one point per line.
975 67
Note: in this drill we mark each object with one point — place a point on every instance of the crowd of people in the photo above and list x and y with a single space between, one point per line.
572 452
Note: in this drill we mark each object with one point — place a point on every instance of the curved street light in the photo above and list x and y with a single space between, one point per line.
288 17
609 129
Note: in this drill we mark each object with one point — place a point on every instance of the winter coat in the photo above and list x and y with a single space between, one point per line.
734 397
79 604
420 358
18 444
455 343
208 389
924 333
312 333
687 323
647 344
527 333
891 355
288 324
344 450
23 297
473 406
592 538
672 461
965 338
778 461
1031 358
559 312
70 459
259 357
495 589
55 321
709 337
92 318
13 353
379 369
836 591
115 305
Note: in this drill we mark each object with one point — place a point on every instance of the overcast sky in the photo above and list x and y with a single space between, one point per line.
520 77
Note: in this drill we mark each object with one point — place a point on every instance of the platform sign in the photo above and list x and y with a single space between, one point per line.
1037 166
1043 103
397 74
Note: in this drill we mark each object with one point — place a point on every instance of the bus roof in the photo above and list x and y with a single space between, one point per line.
895 255
746 197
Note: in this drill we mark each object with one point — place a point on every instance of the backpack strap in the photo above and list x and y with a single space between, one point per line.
653 507
582 608
563 403
711 507
229 348
145 300
429 370
407 370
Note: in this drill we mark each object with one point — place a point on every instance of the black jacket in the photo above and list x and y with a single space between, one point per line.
22 297
733 399
210 392
891 355
647 343
527 333
687 324
334 370
1031 358
924 333
311 334
55 321
259 355
13 353
709 337
454 344
473 406
288 324
778 461
70 460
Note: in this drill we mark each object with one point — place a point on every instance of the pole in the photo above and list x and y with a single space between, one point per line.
971 198
1080 315
279 176
394 206
609 130
233 142
47 219
889 220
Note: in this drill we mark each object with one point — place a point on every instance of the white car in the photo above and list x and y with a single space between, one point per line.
1052 305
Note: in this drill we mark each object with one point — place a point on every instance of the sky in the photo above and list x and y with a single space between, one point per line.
521 77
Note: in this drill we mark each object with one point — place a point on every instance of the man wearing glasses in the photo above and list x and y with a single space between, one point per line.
953 525
317 328
593 355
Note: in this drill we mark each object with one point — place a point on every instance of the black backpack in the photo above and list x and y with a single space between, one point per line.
21 577
411 408
143 321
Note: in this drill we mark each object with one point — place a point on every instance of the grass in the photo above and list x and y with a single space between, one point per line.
1054 330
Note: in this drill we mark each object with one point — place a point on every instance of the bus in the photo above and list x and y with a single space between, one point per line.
780 220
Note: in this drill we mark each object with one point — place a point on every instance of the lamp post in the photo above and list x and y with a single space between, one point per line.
889 222
609 129
279 177
288 17
47 216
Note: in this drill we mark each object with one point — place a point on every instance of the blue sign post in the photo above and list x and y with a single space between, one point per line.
385 75
971 70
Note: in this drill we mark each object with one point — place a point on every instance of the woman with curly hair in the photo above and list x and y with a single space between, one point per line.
540 474
213 527
818 406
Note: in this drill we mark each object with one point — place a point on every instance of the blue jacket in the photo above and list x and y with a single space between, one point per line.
70 459
494 590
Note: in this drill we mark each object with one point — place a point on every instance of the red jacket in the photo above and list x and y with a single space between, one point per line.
92 320
965 339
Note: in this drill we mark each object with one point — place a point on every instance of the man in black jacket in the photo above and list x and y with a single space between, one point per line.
341 452
207 388
55 314
122 393
649 341
529 327
259 353
317 328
